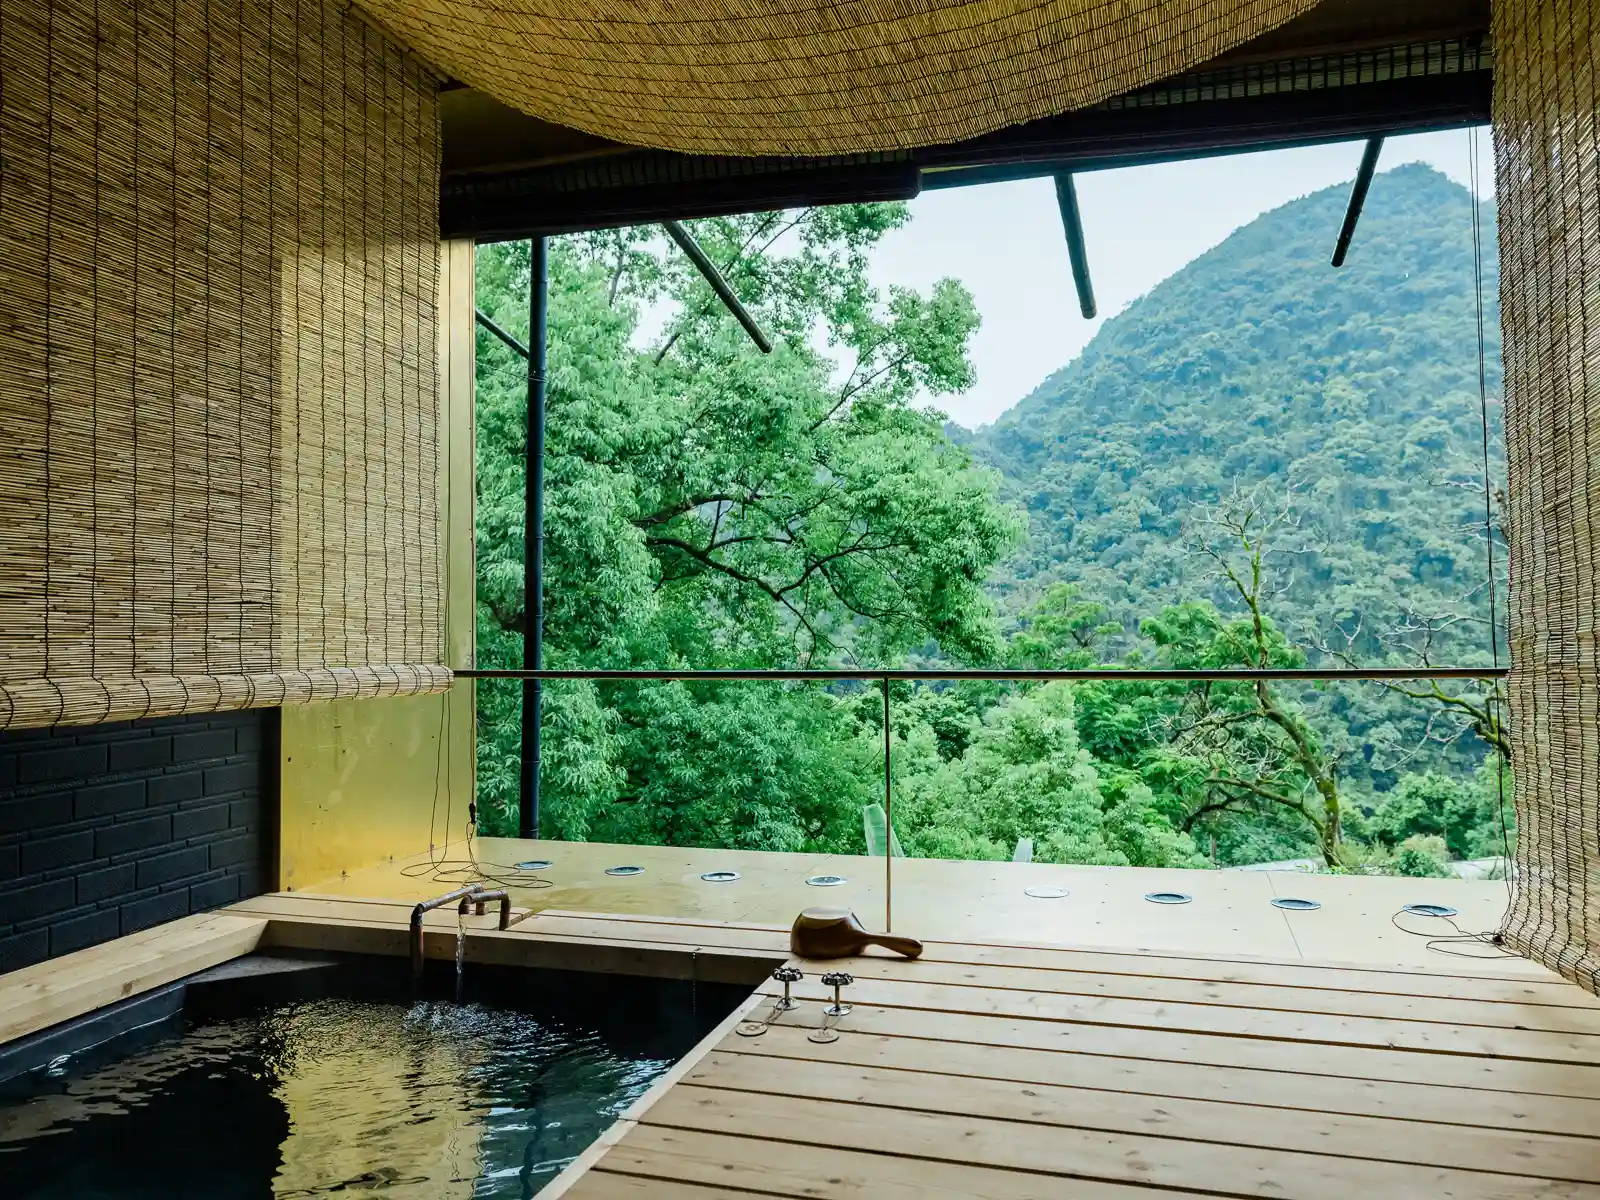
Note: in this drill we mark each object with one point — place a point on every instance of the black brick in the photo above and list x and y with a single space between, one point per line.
94 886
40 900
249 738
36 812
234 851
164 868
141 914
8 770
237 778
10 862
24 950
210 894
250 881
109 799
62 762
244 813
174 789
208 743
192 822
140 754
75 934
132 835
47 854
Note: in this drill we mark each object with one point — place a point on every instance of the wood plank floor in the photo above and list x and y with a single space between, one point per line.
1027 1072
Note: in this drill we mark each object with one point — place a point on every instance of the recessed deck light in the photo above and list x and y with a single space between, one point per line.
624 870
720 876
826 880
1168 897
1295 904
535 864
1041 892
1429 910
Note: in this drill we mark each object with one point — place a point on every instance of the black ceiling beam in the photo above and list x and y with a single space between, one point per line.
1077 254
1358 198
719 285
647 186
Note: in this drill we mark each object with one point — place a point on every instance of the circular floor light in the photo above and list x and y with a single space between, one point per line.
826 880
1429 910
1295 905
535 864
1168 897
1041 892
624 870
720 876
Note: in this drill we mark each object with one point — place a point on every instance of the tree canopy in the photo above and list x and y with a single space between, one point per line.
1263 462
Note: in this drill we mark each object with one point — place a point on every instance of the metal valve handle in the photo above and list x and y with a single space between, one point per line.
837 980
786 976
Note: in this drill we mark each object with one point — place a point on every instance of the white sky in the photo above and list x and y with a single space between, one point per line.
1141 224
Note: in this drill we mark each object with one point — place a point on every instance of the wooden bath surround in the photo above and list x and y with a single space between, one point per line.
1009 1071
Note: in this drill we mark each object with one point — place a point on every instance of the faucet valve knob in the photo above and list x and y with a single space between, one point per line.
837 980
787 976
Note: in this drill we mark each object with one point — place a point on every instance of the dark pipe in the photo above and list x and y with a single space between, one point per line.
464 895
719 285
478 899
1072 223
533 543
1358 198
488 323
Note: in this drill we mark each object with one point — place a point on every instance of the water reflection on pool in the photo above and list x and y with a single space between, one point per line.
427 1100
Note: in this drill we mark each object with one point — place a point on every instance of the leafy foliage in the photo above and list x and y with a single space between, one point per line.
1265 462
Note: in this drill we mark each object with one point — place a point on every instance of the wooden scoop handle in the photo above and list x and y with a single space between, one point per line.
908 946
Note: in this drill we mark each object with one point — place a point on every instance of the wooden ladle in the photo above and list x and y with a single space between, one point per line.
837 933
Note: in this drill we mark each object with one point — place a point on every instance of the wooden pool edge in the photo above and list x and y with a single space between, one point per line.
50 994
574 1171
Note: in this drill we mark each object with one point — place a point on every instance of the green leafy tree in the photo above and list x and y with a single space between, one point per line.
707 505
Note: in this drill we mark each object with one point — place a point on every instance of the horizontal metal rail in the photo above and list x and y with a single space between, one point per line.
1239 675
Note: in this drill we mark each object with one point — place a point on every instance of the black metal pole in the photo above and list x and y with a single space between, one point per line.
533 544
719 285
1358 198
888 817
1072 224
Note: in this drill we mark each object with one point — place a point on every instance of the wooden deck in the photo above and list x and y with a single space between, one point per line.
979 901
1008 1071
1012 1072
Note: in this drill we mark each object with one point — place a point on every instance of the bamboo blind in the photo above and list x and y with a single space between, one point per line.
1548 179
816 76
218 395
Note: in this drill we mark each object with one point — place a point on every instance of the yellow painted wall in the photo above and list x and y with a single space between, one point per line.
369 781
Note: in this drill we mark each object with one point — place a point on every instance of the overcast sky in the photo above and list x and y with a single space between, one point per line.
1142 224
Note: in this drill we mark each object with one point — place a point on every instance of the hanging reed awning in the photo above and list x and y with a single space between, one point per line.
219 459
815 77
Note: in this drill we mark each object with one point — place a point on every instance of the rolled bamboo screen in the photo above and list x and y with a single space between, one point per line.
816 76
1548 179
218 274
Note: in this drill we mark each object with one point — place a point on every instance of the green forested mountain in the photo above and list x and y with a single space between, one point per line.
1346 401
1263 462
1357 388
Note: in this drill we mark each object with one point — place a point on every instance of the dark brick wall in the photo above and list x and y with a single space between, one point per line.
106 829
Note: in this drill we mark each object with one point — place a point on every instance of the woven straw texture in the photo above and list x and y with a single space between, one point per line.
816 76
218 395
1547 146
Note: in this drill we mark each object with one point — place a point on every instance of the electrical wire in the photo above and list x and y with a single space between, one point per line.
459 872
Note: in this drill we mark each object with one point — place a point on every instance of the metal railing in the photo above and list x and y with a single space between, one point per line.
885 676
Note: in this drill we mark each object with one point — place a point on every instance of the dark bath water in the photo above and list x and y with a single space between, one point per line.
427 1099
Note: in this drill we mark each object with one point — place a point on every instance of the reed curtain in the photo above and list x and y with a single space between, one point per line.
1548 182
218 393
816 76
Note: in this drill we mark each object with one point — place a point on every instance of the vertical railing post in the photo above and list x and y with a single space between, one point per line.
888 816
533 544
